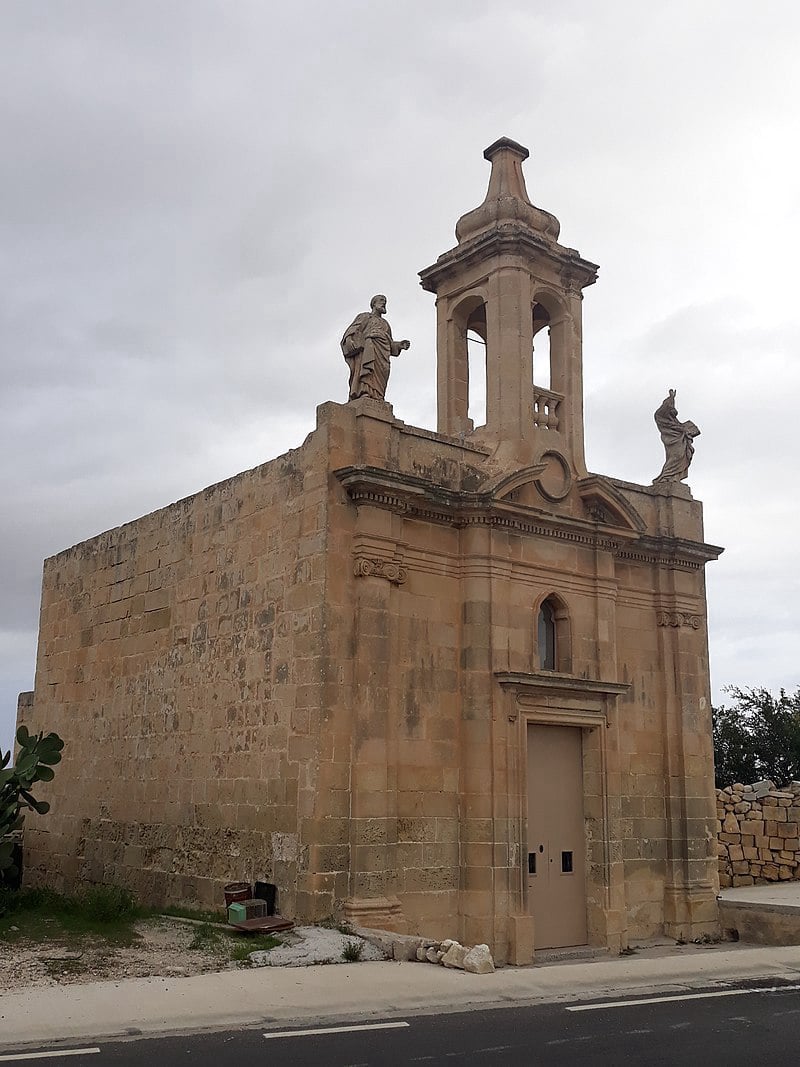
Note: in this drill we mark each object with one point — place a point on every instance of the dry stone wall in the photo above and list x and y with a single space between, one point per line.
758 833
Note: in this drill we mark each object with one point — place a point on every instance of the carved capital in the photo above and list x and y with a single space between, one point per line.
376 567
679 618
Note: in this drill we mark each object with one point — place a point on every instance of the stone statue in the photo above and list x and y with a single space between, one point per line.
677 437
367 346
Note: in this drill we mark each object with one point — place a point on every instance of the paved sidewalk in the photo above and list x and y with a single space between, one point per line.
362 991
786 894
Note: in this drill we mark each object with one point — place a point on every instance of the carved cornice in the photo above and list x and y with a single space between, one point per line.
551 682
380 567
679 618
510 239
409 494
560 698
673 551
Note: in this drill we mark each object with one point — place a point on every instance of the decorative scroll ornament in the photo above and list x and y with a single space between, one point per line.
375 567
679 618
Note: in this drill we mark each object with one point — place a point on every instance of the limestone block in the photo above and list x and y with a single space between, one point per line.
730 824
433 955
752 826
454 956
770 872
741 867
736 853
479 960
742 807
750 853
760 789
742 879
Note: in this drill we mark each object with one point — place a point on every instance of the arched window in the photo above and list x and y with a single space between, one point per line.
553 636
542 373
547 637
476 365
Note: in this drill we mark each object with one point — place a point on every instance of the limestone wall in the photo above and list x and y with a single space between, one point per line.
758 832
181 657
321 672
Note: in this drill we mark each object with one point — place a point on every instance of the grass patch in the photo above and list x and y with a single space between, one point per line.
206 937
42 915
251 943
237 947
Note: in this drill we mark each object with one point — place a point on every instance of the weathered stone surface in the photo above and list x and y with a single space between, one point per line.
766 836
479 960
760 789
455 956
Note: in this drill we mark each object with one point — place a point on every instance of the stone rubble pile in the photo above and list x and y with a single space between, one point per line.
758 833
449 953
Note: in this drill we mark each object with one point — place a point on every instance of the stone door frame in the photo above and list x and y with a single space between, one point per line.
547 698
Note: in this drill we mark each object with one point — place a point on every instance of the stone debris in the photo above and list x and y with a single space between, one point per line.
758 833
479 960
454 955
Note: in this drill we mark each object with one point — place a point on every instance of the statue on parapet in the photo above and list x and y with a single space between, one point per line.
677 437
367 347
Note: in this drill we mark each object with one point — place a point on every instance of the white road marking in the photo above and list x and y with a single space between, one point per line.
334 1030
48 1055
683 996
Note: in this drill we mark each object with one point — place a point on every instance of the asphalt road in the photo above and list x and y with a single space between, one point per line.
728 1027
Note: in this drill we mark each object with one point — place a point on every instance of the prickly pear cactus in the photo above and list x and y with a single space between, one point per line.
38 754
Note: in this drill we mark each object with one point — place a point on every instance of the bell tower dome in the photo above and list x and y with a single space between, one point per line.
508 280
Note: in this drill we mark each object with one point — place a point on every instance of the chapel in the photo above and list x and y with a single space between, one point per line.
450 683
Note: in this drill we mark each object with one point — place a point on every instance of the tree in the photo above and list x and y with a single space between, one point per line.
38 754
757 737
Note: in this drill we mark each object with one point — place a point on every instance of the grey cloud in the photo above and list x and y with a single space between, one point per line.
196 198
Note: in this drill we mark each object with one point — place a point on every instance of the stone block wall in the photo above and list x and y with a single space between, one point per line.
758 834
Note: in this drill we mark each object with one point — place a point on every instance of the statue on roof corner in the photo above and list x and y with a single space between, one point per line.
677 437
367 347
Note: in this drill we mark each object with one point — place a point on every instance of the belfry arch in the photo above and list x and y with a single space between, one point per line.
508 261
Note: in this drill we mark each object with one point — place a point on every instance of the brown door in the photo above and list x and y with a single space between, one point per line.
556 842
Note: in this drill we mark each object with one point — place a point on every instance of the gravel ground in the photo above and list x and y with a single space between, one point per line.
162 950
315 944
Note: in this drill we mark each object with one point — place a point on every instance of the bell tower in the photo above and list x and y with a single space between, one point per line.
508 280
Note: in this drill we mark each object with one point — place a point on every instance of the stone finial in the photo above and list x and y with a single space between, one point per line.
507 199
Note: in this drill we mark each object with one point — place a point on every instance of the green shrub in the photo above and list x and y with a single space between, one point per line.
353 951
107 903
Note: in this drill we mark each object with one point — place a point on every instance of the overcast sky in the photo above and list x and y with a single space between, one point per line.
196 198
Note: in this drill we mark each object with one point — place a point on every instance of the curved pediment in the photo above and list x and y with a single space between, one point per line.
605 503
504 485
